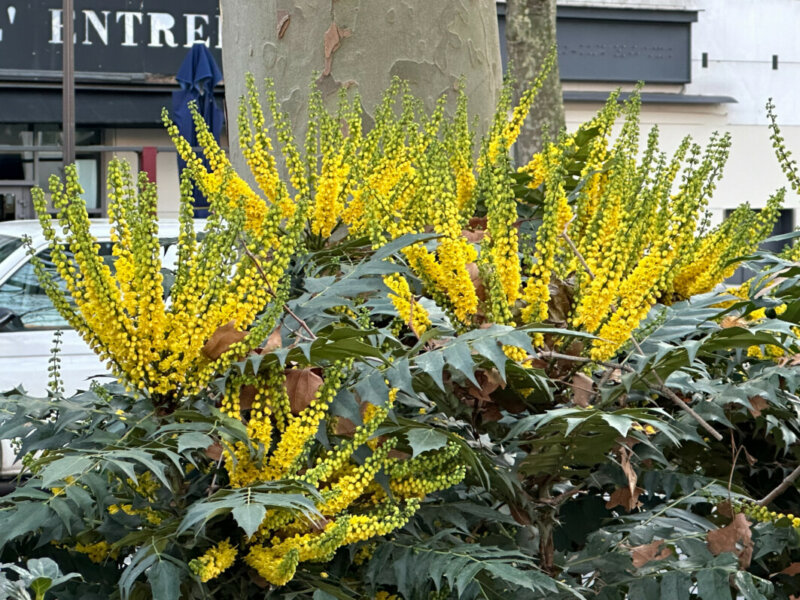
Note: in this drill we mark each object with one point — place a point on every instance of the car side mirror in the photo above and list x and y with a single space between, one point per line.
9 320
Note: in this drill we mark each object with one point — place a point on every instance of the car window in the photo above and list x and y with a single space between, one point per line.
7 245
22 293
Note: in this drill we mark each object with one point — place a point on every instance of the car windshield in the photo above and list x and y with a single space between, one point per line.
7 245
23 295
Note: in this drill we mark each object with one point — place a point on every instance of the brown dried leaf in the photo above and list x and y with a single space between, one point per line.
792 569
537 363
214 451
560 305
319 525
283 22
735 537
478 223
732 321
512 404
273 341
398 454
222 339
247 394
493 378
344 427
477 282
642 555
582 389
725 509
488 382
758 404
473 237
751 460
491 414
301 385
625 462
333 39
624 498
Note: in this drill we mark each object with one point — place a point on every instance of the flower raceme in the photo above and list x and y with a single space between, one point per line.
629 230
352 505
152 340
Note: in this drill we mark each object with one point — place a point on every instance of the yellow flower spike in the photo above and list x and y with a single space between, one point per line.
412 313
151 344
557 214
214 562
98 552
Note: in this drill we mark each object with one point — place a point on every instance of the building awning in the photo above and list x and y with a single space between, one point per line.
649 98
93 107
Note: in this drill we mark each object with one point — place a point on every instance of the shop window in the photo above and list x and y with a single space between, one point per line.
30 167
619 44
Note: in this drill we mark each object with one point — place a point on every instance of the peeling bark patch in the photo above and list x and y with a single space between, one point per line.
283 22
333 39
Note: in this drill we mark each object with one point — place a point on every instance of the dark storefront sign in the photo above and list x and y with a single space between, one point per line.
620 45
111 36
127 51
152 36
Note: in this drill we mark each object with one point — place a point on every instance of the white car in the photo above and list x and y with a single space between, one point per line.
28 320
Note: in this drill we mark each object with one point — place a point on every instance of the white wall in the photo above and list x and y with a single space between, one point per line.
166 164
740 37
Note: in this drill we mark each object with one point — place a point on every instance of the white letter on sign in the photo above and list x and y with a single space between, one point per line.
55 26
92 19
194 30
161 23
129 18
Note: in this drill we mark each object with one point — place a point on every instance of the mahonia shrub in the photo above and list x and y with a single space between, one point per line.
387 353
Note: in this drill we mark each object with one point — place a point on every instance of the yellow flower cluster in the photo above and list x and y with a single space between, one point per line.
412 313
761 513
121 307
630 238
98 552
629 231
352 506
557 214
739 235
154 338
214 562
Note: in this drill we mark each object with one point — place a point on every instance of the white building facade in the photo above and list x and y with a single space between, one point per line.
709 65
742 52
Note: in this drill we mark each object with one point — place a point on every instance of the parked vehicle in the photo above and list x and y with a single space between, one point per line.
28 320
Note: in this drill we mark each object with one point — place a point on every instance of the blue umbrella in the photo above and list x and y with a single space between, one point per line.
197 77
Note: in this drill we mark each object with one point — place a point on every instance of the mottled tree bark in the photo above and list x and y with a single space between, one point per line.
362 44
530 34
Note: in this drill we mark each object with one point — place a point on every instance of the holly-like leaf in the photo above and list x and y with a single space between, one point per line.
165 580
424 439
193 439
249 517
